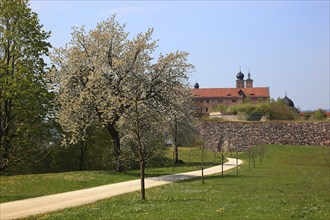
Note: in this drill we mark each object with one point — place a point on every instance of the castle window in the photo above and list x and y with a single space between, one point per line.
201 101
206 109
220 101
207 101
233 100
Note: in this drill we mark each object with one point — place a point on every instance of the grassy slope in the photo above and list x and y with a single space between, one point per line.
291 182
28 186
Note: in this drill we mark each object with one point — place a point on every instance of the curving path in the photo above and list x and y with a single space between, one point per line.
43 204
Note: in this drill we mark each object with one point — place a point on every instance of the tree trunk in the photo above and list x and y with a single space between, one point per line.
5 136
202 165
176 143
142 167
116 146
173 165
222 165
83 146
203 181
176 154
5 130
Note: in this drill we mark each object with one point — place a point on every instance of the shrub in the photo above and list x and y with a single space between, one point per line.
319 115
280 111
274 110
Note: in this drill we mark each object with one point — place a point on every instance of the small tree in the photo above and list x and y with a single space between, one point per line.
260 149
252 154
221 152
142 136
201 154
236 150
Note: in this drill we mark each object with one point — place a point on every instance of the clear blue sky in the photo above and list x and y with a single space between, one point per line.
284 44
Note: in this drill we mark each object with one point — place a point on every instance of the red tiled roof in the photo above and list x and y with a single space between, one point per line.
230 92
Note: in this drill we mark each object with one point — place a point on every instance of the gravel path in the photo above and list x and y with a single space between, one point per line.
43 204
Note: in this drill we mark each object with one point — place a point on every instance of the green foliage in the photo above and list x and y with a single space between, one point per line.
219 108
319 115
292 182
48 138
24 98
280 111
250 111
95 153
307 115
273 110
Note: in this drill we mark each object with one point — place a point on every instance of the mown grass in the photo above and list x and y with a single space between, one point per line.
292 182
29 186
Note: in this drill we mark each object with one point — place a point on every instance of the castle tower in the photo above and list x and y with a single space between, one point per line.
196 86
288 101
240 80
249 81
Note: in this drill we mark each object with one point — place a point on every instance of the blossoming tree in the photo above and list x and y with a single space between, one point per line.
102 75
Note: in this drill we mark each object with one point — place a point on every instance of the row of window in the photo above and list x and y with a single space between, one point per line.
224 100
206 109
219 101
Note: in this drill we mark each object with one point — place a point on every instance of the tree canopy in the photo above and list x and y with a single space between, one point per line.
102 74
24 98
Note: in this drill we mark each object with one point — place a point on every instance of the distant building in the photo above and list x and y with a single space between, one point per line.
206 98
288 102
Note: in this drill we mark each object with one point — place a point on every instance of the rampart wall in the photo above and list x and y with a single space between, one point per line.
245 134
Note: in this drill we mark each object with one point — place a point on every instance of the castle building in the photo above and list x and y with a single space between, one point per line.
206 98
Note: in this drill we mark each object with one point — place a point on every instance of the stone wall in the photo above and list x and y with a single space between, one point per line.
245 134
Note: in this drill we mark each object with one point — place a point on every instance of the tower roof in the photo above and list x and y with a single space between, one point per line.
249 76
196 86
288 101
240 75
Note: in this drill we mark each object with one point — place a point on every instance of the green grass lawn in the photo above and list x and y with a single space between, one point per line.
292 182
28 186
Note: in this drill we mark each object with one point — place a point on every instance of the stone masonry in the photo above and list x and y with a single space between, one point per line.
246 134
